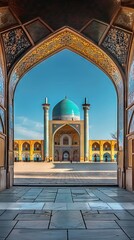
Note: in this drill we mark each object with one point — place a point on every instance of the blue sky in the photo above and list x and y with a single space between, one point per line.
65 74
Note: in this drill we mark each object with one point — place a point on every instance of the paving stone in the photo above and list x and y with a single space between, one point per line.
124 215
126 223
78 191
44 200
7 223
64 190
131 212
100 216
63 198
122 199
116 206
66 220
1 211
42 212
55 206
9 215
29 206
99 205
25 200
34 234
101 224
6 227
82 200
127 205
33 224
33 217
78 206
108 234
102 196
129 231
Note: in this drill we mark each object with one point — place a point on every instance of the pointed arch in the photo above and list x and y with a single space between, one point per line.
107 157
37 146
95 146
26 146
61 126
107 146
66 38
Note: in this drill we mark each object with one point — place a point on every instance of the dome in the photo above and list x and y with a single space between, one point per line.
66 110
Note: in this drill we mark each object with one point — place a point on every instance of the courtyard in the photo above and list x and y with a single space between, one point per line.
65 173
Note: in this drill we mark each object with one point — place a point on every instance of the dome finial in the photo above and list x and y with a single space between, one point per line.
46 100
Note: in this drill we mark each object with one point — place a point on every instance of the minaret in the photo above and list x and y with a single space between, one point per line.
46 129
86 130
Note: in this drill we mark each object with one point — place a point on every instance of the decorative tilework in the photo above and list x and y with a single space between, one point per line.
121 125
56 127
15 43
6 18
125 18
129 114
131 84
131 129
10 126
68 39
14 80
2 87
37 30
1 127
76 126
95 30
2 116
117 43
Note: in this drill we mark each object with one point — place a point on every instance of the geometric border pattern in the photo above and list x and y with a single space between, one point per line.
66 38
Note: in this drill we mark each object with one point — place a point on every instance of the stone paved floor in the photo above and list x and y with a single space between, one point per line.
66 213
42 173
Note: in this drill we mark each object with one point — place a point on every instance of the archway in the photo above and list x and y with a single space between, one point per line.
107 157
96 157
66 156
69 39
95 146
66 143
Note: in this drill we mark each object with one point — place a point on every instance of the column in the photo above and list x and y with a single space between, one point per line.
20 150
86 130
46 129
90 150
112 151
101 151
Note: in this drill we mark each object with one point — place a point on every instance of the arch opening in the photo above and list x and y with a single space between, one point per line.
101 61
66 144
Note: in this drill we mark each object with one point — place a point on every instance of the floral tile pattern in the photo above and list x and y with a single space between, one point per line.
15 43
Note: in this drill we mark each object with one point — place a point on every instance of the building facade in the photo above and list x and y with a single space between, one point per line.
33 150
66 138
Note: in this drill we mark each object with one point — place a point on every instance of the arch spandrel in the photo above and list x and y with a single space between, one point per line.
66 38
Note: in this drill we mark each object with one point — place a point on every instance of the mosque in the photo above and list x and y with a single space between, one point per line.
66 138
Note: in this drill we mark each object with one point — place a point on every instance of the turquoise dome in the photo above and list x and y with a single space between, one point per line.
66 110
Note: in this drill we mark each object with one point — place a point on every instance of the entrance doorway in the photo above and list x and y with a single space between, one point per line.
66 156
